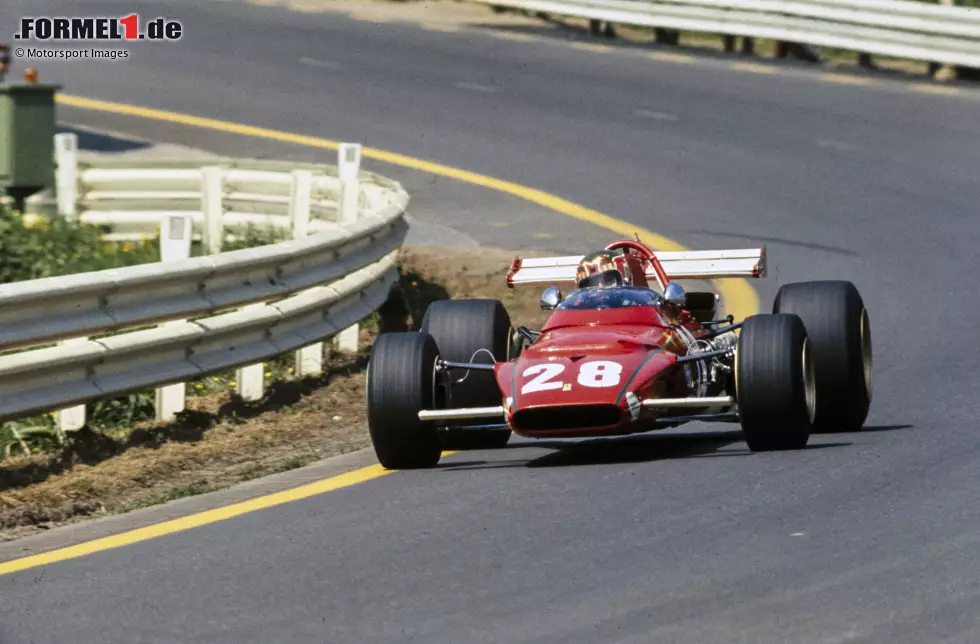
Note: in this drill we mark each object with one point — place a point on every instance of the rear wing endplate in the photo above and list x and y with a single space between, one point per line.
687 265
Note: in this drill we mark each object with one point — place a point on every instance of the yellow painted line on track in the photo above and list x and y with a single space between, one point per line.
844 79
194 520
754 68
740 298
933 89
665 57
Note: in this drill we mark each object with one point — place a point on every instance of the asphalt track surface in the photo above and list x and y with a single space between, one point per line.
683 537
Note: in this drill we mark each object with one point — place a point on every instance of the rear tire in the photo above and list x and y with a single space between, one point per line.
466 330
774 382
400 383
840 332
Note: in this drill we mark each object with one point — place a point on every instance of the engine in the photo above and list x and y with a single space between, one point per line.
720 372
710 378
724 341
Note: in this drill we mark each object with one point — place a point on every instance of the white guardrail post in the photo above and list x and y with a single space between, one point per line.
73 418
249 380
66 187
175 244
161 325
309 359
212 209
66 173
348 167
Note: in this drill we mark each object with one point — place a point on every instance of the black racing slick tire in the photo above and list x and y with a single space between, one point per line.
476 330
840 333
774 382
400 383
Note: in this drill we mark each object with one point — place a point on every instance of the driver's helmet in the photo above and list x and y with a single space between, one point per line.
603 268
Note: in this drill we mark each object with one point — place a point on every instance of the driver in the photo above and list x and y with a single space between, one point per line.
603 268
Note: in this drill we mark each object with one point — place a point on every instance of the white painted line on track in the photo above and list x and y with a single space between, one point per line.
837 145
322 64
655 115
476 87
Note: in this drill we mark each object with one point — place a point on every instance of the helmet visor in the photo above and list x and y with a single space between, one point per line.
611 277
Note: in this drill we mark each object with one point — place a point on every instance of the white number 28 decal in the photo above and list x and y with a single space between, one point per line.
544 372
598 373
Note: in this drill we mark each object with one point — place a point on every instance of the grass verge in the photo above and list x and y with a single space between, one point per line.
220 440
33 247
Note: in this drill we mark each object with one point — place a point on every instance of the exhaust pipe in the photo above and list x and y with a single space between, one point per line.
681 403
461 413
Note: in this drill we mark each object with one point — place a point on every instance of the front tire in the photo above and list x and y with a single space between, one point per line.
839 330
774 382
400 383
470 331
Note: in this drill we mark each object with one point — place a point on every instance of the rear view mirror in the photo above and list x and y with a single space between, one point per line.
674 294
550 298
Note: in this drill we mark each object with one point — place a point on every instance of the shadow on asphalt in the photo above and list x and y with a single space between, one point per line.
882 428
839 250
631 449
99 142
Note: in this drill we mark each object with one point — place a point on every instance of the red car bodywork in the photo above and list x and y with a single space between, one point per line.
588 370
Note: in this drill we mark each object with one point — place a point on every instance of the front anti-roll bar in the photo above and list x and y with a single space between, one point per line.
448 364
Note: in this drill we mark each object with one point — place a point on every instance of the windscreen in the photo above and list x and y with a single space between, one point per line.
611 298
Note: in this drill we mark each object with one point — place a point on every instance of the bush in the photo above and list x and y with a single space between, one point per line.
62 247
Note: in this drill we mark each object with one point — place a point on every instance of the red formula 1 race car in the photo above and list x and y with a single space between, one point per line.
627 351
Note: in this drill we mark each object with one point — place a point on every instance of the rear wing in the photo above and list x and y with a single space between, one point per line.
678 265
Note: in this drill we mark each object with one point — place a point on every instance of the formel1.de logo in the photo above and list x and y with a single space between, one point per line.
101 29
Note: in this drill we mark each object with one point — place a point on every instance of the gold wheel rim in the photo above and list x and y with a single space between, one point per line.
809 382
736 373
867 361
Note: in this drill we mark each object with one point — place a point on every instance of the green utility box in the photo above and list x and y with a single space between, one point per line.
27 123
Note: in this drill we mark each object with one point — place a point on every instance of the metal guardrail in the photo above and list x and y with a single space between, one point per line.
207 314
911 30
132 200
